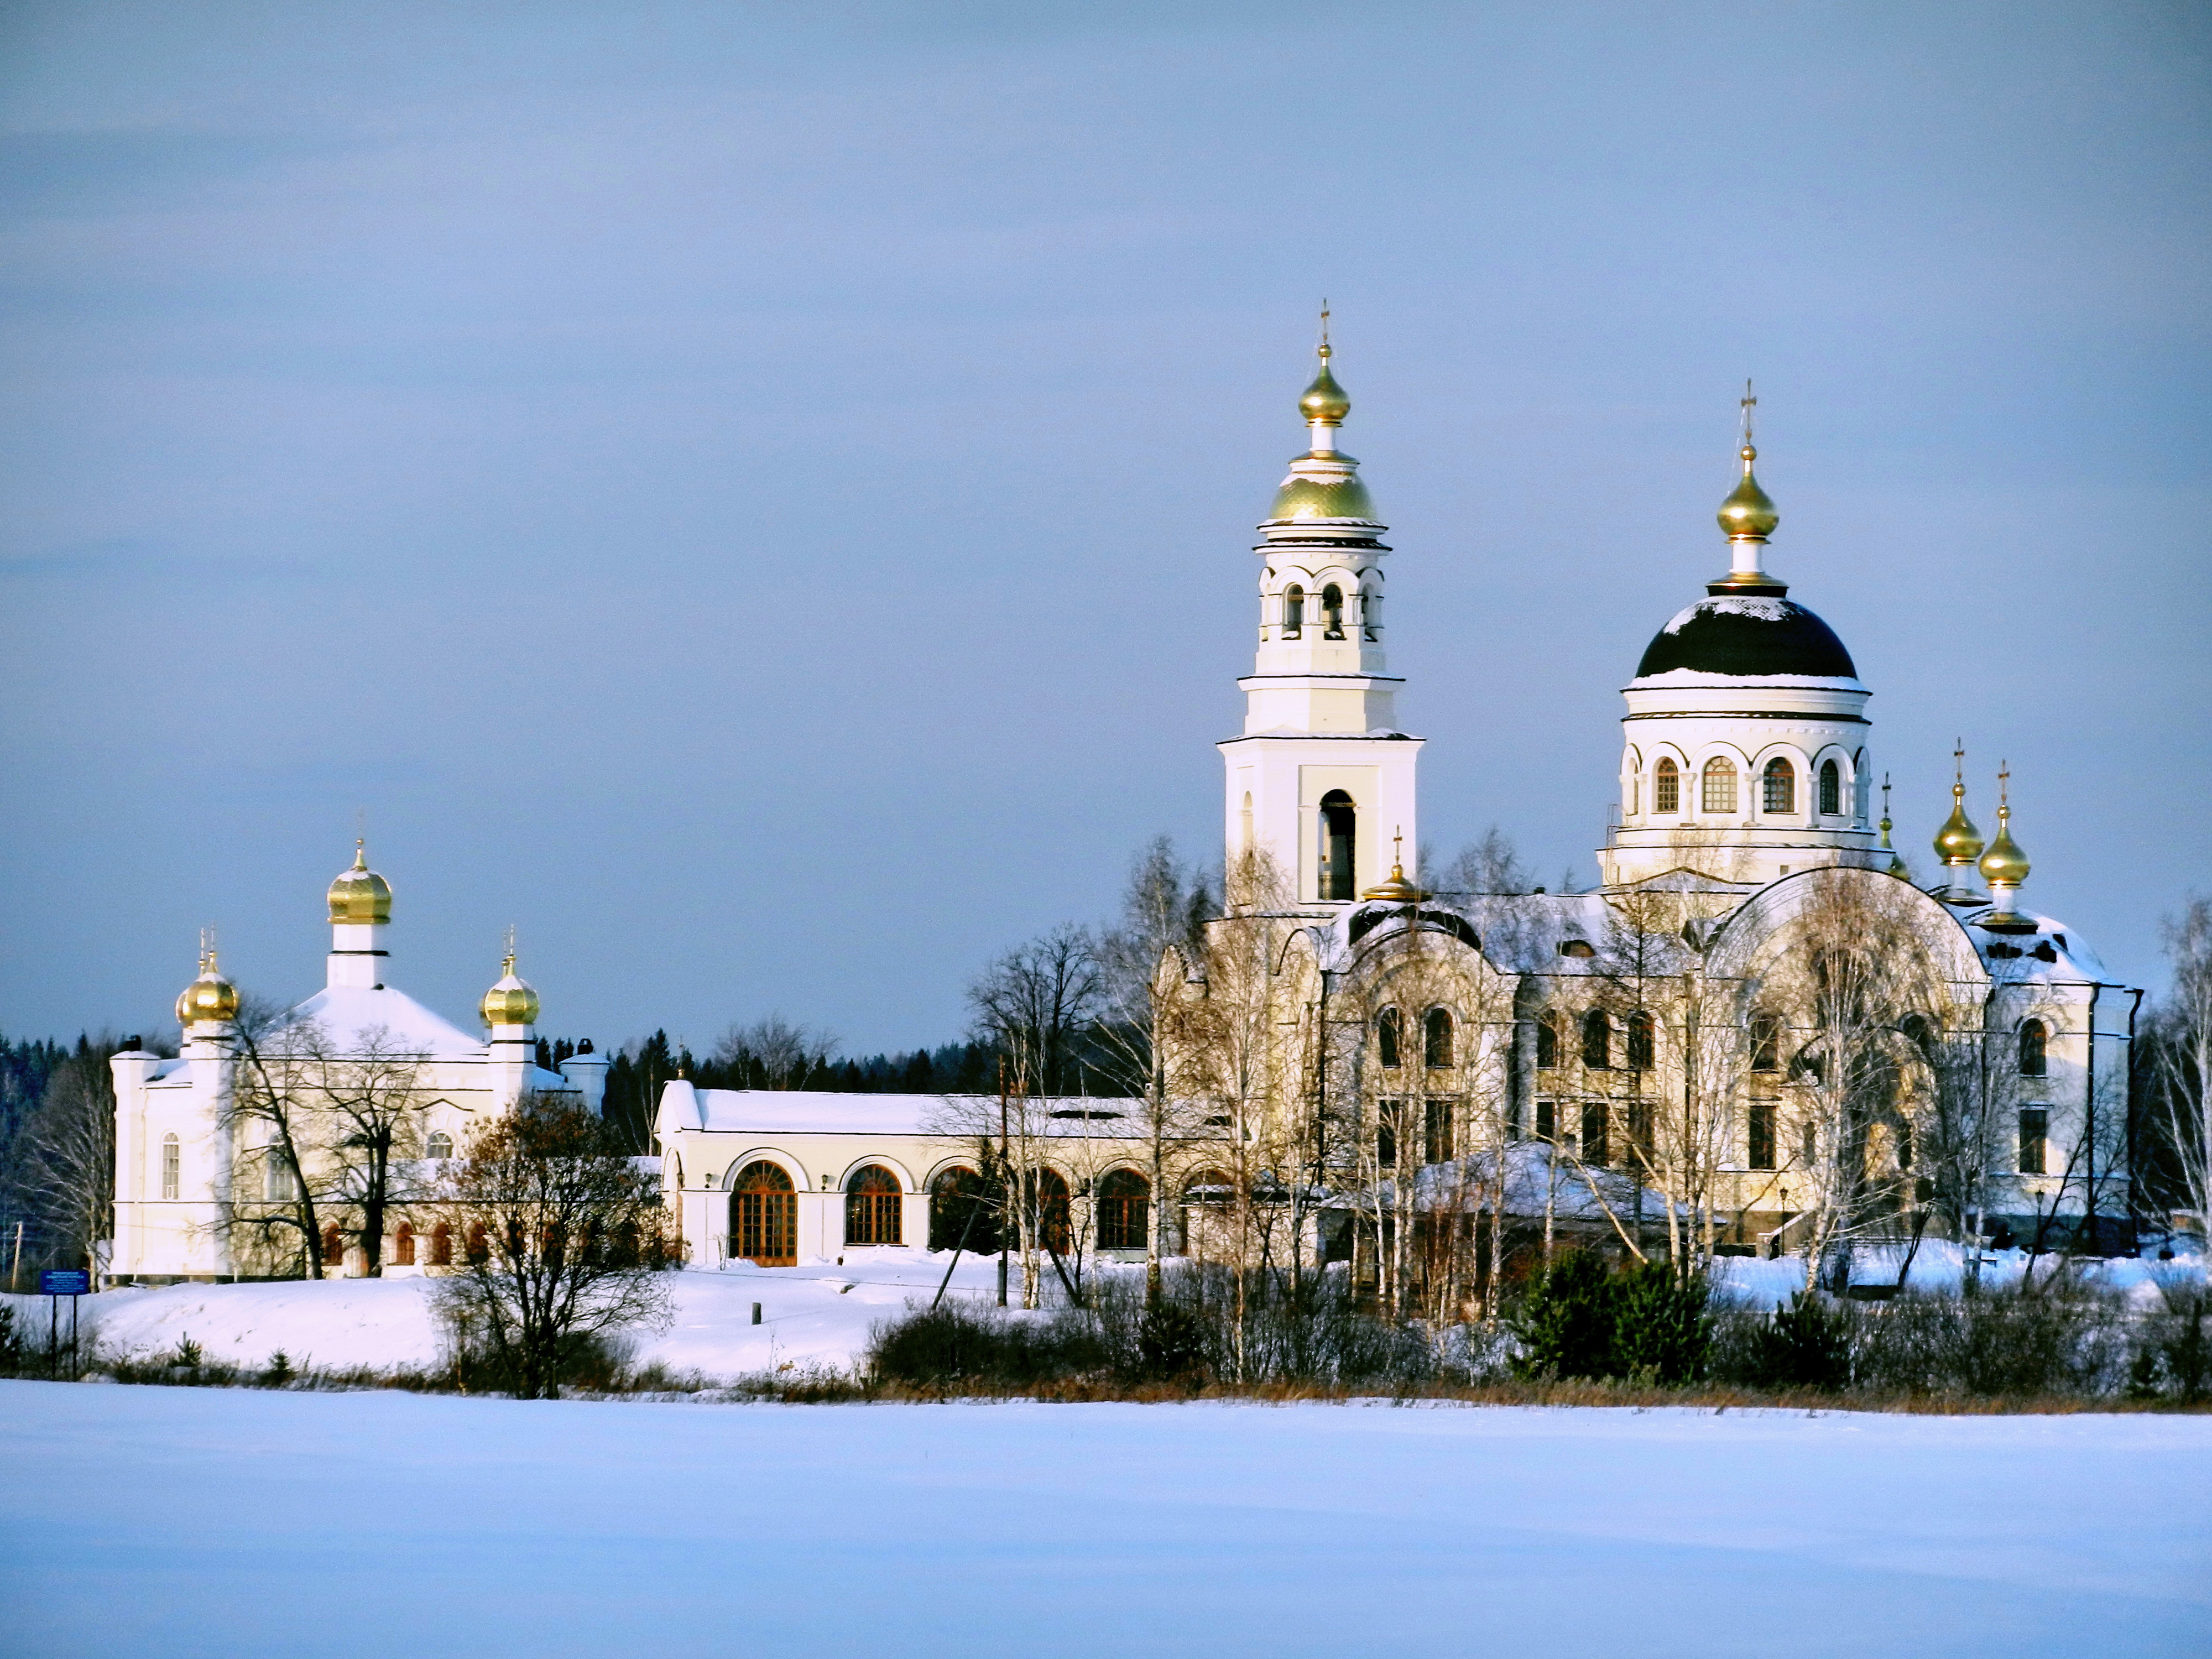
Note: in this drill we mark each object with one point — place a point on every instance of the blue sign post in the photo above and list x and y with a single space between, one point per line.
55 1283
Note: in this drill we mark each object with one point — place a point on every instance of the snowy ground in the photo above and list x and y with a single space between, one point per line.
212 1522
809 1316
818 1314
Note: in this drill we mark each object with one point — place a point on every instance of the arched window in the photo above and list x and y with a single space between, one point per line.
962 1215
1666 787
440 1144
172 1166
441 1246
1831 788
1124 1205
277 1184
1437 1039
1386 1035
1640 1040
1244 825
1338 845
333 1244
872 1206
1597 1040
1765 1049
1370 613
1332 612
1294 612
2035 1049
403 1247
1780 790
1208 1186
1720 786
764 1216
479 1245
1548 1041
1047 1195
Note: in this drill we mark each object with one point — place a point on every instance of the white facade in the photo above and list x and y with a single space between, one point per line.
183 1158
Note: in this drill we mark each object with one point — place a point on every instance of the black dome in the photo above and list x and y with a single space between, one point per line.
1750 637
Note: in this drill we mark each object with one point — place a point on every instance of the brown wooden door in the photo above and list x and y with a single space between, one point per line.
764 1216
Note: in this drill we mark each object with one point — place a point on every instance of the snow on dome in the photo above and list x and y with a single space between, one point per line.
1748 636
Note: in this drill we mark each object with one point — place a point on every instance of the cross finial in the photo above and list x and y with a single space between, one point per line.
1324 325
510 947
1885 794
2004 783
1748 403
207 946
1397 851
1958 760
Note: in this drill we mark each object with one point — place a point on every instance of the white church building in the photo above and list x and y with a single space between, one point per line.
1747 779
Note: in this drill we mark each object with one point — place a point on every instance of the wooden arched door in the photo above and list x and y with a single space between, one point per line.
764 1216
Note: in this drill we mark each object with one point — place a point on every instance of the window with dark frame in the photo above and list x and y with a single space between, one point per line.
1766 1042
764 1216
1760 1136
873 1206
1597 1040
1124 1207
1641 1040
1831 789
2034 1138
1386 1036
1386 1113
1436 1126
2034 1048
1779 786
1437 1039
1720 786
1294 612
1667 787
1596 1149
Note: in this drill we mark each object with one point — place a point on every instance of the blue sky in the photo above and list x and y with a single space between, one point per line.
762 503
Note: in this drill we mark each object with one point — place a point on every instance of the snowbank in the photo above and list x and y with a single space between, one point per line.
1941 1265
808 1314
242 1523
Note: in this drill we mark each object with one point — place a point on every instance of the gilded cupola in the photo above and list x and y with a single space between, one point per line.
1748 512
1397 890
210 998
1958 843
360 896
2004 865
512 1001
1324 482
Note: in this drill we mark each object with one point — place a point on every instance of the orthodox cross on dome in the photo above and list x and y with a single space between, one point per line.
2004 784
509 964
1958 761
1746 403
1885 794
1324 325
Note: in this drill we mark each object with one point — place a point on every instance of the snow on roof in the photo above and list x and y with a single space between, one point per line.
350 1013
2052 951
798 1111
1691 679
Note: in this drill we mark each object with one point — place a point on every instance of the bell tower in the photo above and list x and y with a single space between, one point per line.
1320 780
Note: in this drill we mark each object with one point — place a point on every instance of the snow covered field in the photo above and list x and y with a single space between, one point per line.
191 1521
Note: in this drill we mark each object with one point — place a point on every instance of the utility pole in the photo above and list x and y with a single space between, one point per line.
1006 1191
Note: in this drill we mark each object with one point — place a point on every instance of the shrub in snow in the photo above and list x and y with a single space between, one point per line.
1582 1320
1804 1344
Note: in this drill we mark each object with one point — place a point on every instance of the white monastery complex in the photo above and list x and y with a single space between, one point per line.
1755 1019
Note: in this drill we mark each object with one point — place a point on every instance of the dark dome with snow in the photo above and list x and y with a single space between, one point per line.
1749 636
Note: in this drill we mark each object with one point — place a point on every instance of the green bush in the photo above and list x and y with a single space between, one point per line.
1804 1344
1650 1323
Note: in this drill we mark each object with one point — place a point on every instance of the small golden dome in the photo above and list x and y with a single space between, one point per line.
1304 497
209 997
360 894
1324 400
1397 890
512 1001
1958 841
2004 862
1748 512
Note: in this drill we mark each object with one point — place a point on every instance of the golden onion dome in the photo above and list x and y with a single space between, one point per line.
2004 862
360 894
1303 496
1958 841
1397 890
1748 511
1324 400
208 998
512 1001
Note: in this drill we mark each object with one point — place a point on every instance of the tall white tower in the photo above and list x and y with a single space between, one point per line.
1745 748
1322 779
